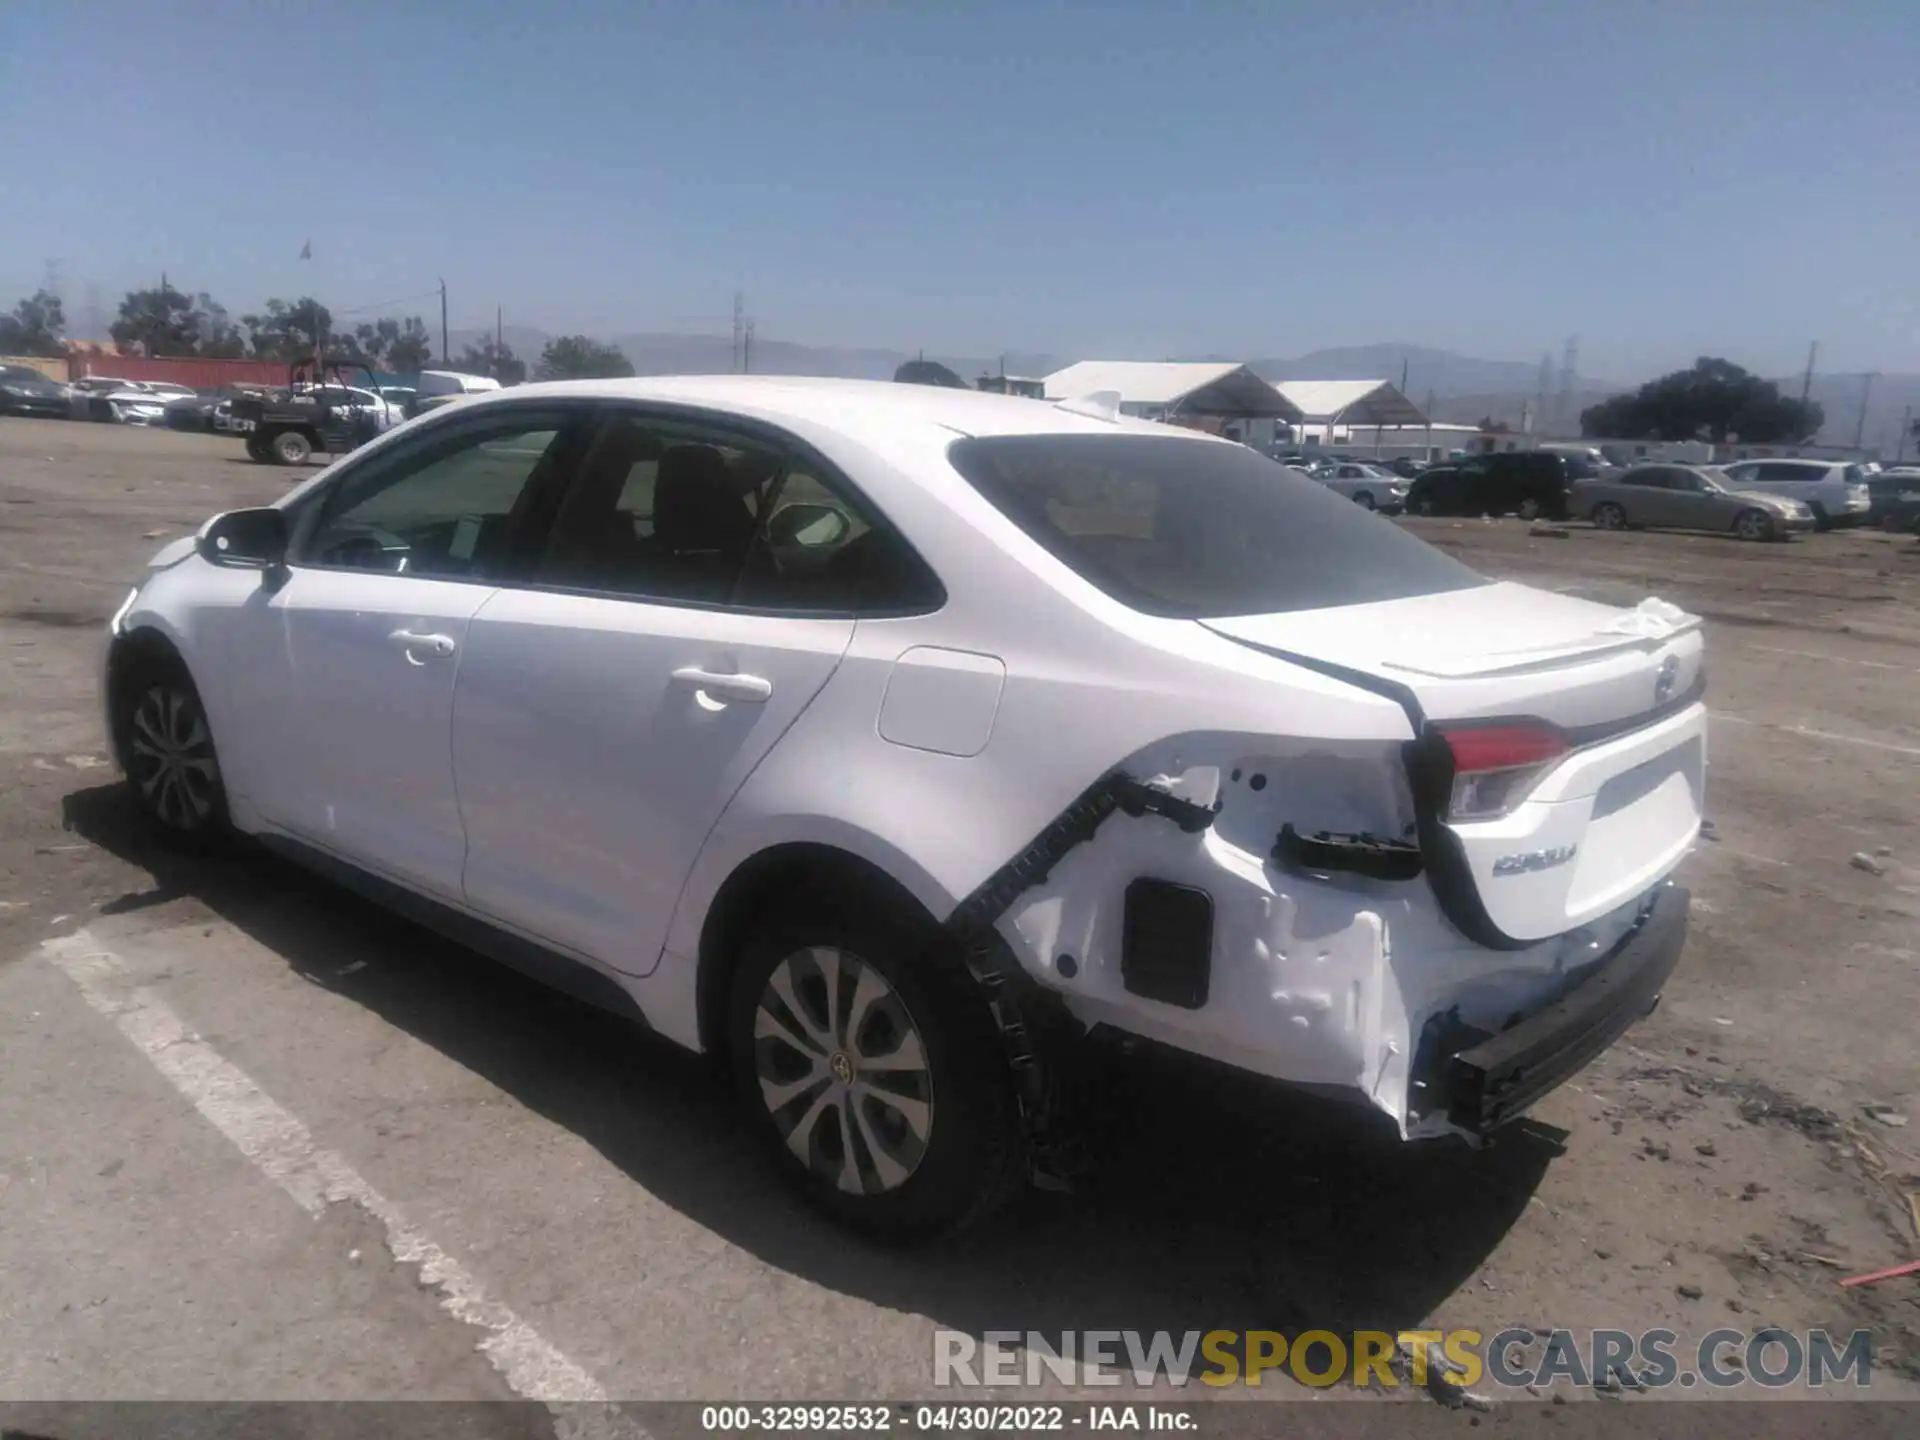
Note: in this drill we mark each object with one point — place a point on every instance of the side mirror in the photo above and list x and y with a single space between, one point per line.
809 526
245 539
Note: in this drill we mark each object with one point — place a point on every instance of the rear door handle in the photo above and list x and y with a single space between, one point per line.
750 689
414 641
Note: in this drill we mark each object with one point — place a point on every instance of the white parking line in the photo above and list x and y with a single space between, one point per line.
1837 659
1812 734
284 1151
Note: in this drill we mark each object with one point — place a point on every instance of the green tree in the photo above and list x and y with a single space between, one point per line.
288 332
581 357
1716 400
491 358
929 372
36 326
167 321
397 346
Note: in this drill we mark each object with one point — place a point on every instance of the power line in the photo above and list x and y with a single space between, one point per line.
385 304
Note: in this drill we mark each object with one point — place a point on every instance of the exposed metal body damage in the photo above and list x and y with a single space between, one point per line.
1326 979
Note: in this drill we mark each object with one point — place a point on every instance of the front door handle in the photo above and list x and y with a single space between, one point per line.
750 689
414 642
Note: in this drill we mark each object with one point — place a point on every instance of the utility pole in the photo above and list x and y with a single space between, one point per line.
746 349
1429 415
1806 384
445 357
1866 389
739 326
1403 374
1569 362
1906 429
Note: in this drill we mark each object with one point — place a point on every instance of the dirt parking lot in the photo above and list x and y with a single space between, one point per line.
592 1223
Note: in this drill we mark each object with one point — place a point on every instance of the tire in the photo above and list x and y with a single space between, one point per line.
939 1138
257 449
167 753
1530 509
1365 500
292 447
1420 505
1753 525
1820 518
1609 516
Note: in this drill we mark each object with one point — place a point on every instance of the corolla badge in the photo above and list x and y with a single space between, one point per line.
1528 861
1663 682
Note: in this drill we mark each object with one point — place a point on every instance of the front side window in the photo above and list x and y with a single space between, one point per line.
1190 529
444 509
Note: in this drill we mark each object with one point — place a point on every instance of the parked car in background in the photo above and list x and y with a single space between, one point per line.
202 410
1368 486
879 740
1687 497
127 402
1405 466
1588 460
1532 484
87 396
191 412
1891 492
25 391
438 387
225 422
1834 490
401 397
384 413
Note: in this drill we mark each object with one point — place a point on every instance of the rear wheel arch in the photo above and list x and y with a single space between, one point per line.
792 875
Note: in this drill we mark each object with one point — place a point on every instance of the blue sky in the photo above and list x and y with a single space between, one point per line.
1119 179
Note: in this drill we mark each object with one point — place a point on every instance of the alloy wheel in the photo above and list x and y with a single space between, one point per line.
170 757
1752 525
843 1071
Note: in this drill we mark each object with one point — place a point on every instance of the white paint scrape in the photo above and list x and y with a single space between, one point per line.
284 1150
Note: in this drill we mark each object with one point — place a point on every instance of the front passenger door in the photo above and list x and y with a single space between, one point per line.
355 655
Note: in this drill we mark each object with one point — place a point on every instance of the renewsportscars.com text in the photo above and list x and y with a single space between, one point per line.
1511 1358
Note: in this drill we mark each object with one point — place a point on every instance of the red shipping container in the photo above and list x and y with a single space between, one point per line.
200 374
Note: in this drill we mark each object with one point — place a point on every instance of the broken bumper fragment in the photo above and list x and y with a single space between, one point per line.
1497 1079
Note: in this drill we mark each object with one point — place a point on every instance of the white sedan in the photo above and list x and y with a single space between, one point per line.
880 739
1368 486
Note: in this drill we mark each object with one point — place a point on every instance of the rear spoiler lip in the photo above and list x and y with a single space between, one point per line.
1519 662
1429 765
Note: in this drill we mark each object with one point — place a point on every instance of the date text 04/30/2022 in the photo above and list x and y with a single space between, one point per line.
929 1419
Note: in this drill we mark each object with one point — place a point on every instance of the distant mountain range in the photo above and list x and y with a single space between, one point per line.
1463 389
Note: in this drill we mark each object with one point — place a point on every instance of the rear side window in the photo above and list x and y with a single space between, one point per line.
1189 529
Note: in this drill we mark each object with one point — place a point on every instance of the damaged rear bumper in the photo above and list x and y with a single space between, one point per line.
1496 1079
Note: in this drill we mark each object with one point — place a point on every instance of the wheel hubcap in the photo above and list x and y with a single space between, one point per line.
170 757
843 1071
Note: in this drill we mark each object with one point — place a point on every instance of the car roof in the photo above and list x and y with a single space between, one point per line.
859 409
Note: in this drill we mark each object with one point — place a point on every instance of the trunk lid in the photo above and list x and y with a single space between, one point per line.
1599 827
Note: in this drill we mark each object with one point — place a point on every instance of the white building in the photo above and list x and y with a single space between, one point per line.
1223 397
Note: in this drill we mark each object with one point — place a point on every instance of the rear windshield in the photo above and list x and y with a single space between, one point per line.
1193 529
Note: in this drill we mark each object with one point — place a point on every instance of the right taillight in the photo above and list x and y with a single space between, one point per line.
1495 764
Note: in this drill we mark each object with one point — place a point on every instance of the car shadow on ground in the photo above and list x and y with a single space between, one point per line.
1216 1202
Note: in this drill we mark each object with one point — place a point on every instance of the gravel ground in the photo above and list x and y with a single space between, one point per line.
1720 1168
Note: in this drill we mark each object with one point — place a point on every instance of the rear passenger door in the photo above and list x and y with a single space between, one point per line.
699 587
